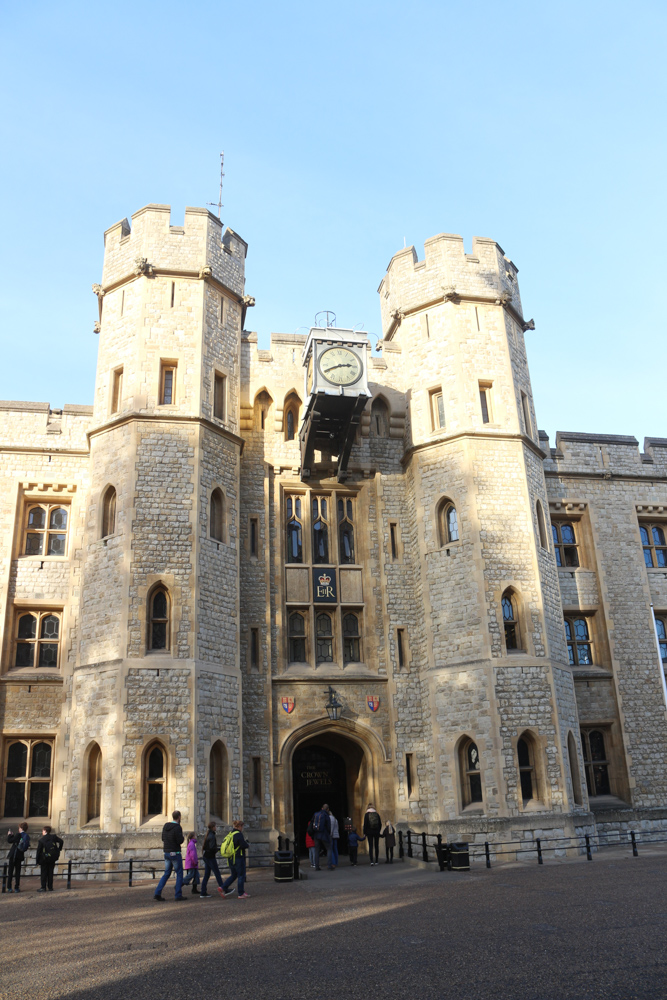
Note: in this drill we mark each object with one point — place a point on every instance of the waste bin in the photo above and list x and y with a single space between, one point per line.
442 854
459 857
283 866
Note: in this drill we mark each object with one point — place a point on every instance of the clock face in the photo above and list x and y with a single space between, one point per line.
340 366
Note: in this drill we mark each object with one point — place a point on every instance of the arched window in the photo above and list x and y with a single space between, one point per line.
217 525
46 530
37 639
661 631
541 525
574 768
28 779
524 752
324 637
262 406
345 531
293 507
297 638
596 762
351 639
109 512
155 797
158 619
448 523
511 621
94 798
289 431
471 778
320 530
653 540
566 547
291 415
217 781
579 645
379 419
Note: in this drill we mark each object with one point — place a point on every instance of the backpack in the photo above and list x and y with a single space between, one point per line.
373 821
53 852
227 848
311 829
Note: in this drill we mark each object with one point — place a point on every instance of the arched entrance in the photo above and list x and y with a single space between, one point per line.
327 768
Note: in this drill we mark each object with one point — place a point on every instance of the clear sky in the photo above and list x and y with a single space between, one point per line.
348 128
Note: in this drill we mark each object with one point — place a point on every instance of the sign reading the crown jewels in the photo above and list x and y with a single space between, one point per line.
324 585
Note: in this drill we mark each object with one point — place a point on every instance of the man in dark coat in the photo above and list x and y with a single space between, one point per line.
210 856
49 847
372 828
322 835
20 843
172 838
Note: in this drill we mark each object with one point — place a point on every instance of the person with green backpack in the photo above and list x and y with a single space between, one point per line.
233 848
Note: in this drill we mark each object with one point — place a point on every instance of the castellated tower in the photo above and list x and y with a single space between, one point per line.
156 684
497 697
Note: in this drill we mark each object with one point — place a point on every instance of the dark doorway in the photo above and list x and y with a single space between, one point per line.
319 775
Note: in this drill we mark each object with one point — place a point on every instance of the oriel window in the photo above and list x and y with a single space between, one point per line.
345 531
579 646
37 639
324 638
294 540
653 540
28 779
596 762
320 507
158 626
297 637
351 639
565 543
46 530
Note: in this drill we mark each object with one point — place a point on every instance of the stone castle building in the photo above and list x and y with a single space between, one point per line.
233 546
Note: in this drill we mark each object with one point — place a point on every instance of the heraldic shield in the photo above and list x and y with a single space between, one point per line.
373 702
288 705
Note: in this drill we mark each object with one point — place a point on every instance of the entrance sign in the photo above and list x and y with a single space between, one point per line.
288 705
324 585
373 702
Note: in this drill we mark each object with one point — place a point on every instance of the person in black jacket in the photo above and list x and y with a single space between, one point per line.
210 855
20 843
237 863
372 828
49 847
172 838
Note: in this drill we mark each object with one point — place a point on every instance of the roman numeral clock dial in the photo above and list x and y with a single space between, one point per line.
340 366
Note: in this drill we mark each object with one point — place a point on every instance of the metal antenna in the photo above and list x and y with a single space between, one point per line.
218 204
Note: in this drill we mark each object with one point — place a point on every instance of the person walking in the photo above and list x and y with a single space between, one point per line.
389 834
172 838
20 844
372 827
322 835
237 862
210 856
312 849
192 864
335 834
49 847
353 839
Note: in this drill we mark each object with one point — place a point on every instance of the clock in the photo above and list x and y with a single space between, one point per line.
340 366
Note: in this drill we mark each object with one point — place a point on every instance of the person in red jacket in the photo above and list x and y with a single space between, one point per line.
312 850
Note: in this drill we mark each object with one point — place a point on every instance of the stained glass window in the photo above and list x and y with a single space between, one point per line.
566 547
653 541
579 646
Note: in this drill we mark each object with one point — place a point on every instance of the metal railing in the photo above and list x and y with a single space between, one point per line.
413 844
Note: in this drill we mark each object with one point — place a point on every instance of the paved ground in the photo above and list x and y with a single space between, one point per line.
577 930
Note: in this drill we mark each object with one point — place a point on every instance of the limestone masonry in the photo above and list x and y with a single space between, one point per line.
186 603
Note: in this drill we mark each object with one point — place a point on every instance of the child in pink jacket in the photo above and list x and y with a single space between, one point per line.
191 864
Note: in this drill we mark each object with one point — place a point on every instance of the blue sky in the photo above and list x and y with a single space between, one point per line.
346 129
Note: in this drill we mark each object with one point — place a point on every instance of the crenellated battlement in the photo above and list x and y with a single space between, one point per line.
150 245
447 273
604 455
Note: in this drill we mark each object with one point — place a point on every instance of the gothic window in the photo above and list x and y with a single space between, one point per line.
167 383
94 797
27 779
511 621
37 639
470 773
566 547
596 762
574 768
524 752
116 390
437 406
579 645
320 507
293 507
324 638
661 631
653 541
219 396
155 781
297 637
262 406
109 512
217 525
351 639
46 530
448 523
379 419
289 434
158 624
217 780
345 531
541 525
291 416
